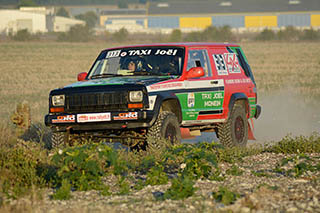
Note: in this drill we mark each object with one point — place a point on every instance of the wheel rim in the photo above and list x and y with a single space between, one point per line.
239 129
170 133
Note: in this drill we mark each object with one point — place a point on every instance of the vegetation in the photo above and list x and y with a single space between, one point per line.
63 12
77 33
90 18
25 165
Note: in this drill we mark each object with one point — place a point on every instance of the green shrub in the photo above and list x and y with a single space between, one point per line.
121 35
296 145
175 36
24 35
64 192
124 186
76 33
299 165
85 165
266 35
156 176
310 35
19 167
225 196
290 33
181 188
235 171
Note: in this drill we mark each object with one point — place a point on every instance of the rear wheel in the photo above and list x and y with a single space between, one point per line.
235 131
166 127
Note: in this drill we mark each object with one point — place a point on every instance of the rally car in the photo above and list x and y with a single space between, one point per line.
142 94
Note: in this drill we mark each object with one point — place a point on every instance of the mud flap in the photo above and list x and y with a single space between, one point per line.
250 133
185 133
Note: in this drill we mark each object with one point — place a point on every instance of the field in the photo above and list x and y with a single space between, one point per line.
287 77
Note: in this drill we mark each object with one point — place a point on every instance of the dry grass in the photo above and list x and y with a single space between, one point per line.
30 70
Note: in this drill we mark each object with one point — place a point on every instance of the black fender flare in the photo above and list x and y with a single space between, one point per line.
236 97
162 97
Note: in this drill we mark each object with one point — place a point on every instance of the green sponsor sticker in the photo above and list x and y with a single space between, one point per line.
253 106
194 102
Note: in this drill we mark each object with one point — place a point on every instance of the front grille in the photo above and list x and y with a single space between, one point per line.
96 102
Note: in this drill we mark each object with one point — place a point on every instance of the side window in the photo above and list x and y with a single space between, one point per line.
199 58
245 66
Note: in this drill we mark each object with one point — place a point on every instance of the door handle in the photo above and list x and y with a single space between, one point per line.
214 82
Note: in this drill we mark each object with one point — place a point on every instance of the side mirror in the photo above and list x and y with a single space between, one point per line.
82 76
195 72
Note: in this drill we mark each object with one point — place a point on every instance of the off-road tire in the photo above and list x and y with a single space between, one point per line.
234 132
166 127
58 139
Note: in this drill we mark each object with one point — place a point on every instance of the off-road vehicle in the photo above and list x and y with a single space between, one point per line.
139 94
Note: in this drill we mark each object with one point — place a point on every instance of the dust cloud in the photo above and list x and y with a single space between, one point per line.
285 113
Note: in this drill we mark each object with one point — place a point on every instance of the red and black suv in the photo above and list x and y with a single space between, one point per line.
139 94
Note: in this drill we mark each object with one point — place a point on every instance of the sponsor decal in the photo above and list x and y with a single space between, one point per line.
238 81
141 52
126 116
64 119
232 62
220 64
113 54
191 100
166 86
226 63
166 52
93 117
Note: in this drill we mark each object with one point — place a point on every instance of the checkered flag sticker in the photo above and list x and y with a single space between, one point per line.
220 64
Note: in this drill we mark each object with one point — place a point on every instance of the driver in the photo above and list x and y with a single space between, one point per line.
132 66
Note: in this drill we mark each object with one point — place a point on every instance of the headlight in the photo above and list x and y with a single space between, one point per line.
58 100
136 96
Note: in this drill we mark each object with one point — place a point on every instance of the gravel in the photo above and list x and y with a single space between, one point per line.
268 192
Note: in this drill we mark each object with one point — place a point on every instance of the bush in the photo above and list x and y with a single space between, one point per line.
121 35
175 36
225 196
310 35
19 169
77 33
266 35
296 145
181 188
290 33
24 35
89 17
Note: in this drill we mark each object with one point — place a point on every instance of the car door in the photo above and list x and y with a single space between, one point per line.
202 99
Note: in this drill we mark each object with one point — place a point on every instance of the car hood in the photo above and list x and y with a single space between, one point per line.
144 80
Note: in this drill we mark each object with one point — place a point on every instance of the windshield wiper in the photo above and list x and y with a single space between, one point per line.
105 75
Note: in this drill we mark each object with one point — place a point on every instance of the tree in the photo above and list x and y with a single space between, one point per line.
123 4
90 18
62 12
27 3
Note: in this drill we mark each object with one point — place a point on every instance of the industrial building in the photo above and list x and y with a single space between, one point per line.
240 15
35 20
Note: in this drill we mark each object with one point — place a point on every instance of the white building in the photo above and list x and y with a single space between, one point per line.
12 21
35 20
63 24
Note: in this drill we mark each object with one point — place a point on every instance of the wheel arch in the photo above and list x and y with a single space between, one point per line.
172 105
238 98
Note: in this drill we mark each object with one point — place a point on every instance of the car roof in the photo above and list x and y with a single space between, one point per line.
182 44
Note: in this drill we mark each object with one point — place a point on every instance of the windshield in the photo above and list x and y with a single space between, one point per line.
160 61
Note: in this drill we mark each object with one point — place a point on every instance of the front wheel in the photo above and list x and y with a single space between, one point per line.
235 131
166 127
59 139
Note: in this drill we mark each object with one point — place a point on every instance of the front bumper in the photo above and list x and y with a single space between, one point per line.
100 121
